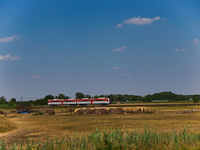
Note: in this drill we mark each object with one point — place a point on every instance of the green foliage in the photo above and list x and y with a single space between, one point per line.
43 101
114 140
88 96
196 100
62 96
11 104
96 96
167 96
3 100
79 95
102 95
113 98
13 100
147 98
124 98
38 113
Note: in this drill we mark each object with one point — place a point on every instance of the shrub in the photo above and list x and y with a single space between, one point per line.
50 112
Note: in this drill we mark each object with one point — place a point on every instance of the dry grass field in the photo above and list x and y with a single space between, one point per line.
14 127
6 126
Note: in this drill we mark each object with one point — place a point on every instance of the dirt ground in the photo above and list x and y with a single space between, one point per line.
62 124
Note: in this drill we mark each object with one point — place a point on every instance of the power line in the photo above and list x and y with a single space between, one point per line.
28 98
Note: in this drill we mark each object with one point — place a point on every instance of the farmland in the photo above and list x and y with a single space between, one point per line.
17 127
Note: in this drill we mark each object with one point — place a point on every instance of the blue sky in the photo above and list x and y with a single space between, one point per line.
99 47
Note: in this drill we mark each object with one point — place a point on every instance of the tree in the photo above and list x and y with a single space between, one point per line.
49 97
43 101
96 96
79 95
147 98
102 95
2 100
87 96
13 100
113 97
196 100
61 96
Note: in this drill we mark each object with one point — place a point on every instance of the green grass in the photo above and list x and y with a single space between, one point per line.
114 139
6 106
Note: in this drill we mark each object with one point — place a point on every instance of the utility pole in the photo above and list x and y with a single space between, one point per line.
21 99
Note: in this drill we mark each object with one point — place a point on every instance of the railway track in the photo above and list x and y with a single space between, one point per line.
125 105
153 105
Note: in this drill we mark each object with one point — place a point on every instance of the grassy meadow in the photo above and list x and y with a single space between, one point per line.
167 128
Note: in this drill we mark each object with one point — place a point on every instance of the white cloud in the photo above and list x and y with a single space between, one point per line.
138 21
9 57
195 42
10 38
189 46
36 77
181 50
115 68
120 49
43 47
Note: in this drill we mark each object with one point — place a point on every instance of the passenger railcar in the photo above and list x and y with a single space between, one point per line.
84 101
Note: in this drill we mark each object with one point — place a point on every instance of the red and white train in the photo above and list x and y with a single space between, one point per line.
84 101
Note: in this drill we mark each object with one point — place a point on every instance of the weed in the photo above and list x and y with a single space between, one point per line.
114 139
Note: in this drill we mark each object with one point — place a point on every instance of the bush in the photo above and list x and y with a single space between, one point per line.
196 101
50 112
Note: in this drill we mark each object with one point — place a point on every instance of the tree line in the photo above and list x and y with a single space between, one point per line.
11 102
113 97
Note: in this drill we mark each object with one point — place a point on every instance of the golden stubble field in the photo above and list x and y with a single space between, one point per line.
27 126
